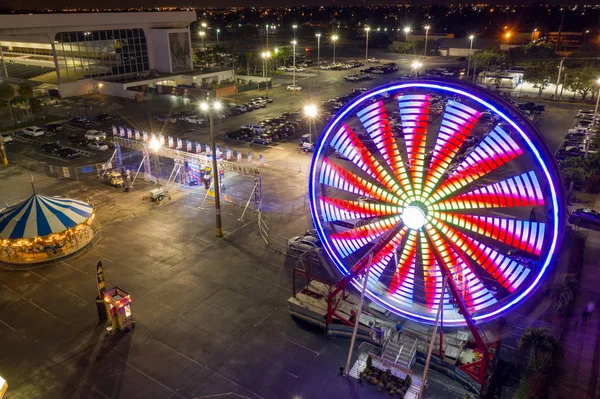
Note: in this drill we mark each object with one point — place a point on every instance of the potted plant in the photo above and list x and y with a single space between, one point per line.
380 387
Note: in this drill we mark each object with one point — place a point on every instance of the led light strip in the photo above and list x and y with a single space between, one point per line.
414 115
457 123
336 209
497 149
375 120
432 275
402 285
350 146
350 241
525 235
520 190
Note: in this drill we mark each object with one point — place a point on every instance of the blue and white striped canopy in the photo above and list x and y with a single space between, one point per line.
40 216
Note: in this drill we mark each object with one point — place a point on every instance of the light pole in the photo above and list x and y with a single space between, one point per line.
470 50
294 27
508 35
334 39
267 30
426 37
202 34
209 108
367 29
294 71
310 111
3 150
533 34
416 65
218 31
406 32
587 143
585 32
318 52
265 56
155 147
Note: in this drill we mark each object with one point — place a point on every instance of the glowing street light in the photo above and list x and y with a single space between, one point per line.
406 32
426 35
294 27
416 65
470 49
311 112
218 31
367 29
265 56
334 39
209 108
202 34
203 24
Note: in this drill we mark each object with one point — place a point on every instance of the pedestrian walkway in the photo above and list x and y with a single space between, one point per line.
578 376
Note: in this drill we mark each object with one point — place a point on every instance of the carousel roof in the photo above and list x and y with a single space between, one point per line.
40 216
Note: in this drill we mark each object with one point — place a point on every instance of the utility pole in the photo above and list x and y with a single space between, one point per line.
426 36
3 149
470 50
367 29
205 106
558 79
562 19
318 52
588 136
294 72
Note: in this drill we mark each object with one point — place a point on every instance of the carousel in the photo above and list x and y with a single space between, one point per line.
44 228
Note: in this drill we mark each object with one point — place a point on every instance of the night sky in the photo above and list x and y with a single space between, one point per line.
31 4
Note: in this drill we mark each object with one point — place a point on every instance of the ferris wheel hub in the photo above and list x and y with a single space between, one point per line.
413 217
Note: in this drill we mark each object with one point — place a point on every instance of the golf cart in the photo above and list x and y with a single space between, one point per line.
115 179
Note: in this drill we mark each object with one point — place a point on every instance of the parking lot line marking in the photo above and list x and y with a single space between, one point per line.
50 156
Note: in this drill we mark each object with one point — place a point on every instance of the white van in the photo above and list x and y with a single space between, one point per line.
33 131
256 128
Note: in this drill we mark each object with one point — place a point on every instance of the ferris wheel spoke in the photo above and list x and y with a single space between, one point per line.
497 149
506 271
517 191
336 209
350 241
414 115
347 143
382 258
522 234
432 276
375 120
401 287
457 123
472 290
336 176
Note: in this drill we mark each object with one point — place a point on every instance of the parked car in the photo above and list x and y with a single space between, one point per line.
584 216
240 134
294 87
194 119
69 153
51 147
262 139
7 137
34 131
95 135
78 121
79 141
55 127
267 99
374 60
306 244
165 118
98 146
241 108
249 107
251 126
103 117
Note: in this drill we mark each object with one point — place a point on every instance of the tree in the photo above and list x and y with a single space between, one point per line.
7 95
248 56
26 93
582 80
543 348
541 74
489 59
563 295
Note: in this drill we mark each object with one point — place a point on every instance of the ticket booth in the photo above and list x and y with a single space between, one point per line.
118 308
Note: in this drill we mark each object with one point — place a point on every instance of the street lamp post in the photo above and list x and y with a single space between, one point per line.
318 52
155 147
589 137
426 37
294 65
218 31
206 107
406 32
202 34
533 34
334 39
265 56
367 29
294 27
470 50
311 112
267 26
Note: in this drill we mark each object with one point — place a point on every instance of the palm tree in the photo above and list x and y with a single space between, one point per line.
7 94
26 93
542 346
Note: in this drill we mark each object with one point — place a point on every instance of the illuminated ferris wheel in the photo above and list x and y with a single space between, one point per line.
432 180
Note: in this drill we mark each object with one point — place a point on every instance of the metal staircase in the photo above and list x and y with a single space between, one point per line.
400 351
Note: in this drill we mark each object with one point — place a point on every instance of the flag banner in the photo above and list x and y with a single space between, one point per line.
161 139
129 133
198 148
114 128
189 146
170 142
137 135
179 144
145 136
122 131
